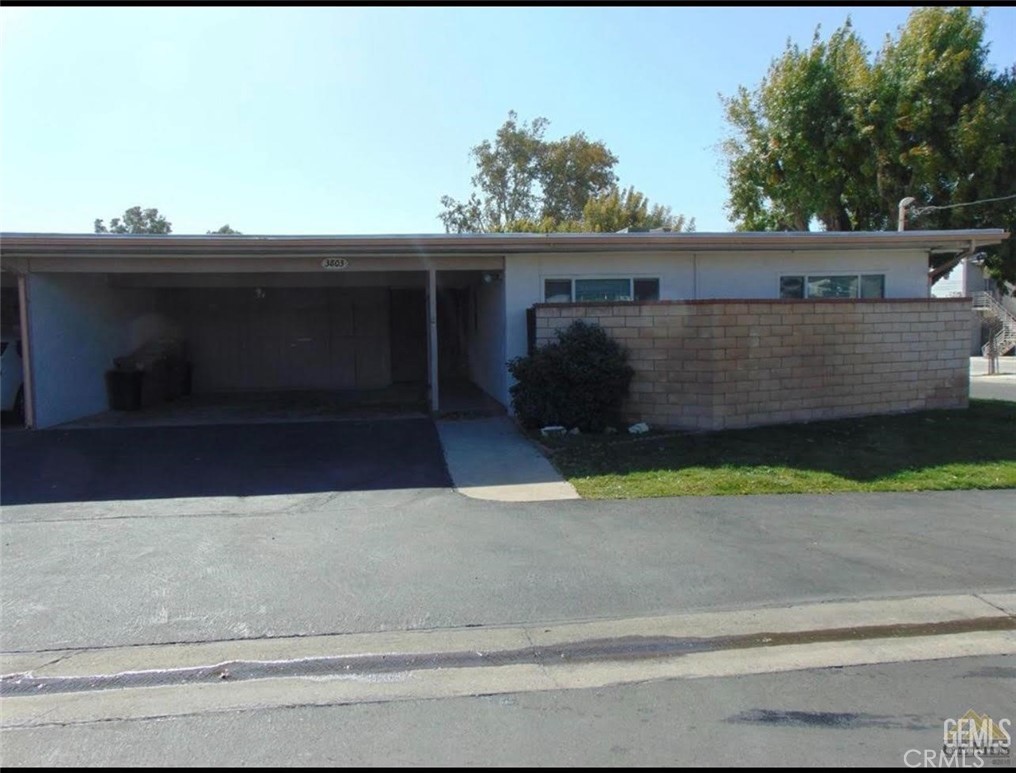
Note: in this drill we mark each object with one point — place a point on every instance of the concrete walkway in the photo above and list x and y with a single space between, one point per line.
1006 367
998 386
490 459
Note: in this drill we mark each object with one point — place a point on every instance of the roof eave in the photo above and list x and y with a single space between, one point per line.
141 246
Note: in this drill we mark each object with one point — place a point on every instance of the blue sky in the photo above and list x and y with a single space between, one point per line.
334 120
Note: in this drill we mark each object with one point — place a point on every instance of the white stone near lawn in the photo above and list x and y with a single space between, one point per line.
638 429
555 429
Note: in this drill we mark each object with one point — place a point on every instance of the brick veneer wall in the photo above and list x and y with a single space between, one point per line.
729 363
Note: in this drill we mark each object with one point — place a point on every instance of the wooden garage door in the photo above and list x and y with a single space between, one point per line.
286 338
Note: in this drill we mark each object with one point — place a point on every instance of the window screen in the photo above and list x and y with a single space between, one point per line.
646 289
846 286
603 289
833 286
557 290
873 285
791 286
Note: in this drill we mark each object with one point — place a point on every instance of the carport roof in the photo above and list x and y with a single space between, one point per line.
240 246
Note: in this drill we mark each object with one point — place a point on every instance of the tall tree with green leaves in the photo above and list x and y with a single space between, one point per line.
136 221
506 183
225 231
573 172
837 136
795 144
619 209
524 182
616 210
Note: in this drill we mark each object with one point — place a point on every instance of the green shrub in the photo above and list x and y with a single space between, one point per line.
580 380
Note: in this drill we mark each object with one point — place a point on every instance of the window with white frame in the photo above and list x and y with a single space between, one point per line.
832 286
601 289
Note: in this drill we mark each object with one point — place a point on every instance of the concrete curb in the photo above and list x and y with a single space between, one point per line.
493 639
995 612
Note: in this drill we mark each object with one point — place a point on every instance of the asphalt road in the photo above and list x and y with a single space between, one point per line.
236 537
850 716
147 571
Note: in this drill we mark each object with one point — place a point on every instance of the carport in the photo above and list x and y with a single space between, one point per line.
323 321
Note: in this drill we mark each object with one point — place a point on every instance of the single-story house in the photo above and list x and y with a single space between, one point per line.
288 313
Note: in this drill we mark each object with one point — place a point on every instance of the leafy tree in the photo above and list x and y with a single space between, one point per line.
611 212
795 146
225 230
524 182
837 136
573 172
136 221
619 209
507 178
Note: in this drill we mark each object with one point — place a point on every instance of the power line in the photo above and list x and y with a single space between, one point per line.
932 208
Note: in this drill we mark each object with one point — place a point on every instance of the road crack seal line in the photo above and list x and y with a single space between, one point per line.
540 661
622 649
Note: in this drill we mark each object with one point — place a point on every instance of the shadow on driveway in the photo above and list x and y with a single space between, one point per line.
223 460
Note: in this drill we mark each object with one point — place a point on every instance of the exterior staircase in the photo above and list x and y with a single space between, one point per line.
1004 338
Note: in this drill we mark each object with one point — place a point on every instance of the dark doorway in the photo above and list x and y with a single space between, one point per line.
409 335
452 334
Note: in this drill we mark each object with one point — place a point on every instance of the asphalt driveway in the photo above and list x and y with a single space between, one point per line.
95 574
86 465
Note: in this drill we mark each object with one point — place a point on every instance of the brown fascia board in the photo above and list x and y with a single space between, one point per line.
247 246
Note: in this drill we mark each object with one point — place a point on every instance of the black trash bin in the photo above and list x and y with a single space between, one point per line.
123 388
186 376
179 378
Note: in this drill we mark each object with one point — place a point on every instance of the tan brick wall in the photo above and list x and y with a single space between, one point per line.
724 364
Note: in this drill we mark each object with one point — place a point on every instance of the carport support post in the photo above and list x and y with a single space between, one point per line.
27 374
432 336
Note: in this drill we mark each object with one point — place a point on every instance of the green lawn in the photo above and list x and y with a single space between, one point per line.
932 450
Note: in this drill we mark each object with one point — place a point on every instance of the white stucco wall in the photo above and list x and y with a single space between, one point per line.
703 275
977 280
78 325
524 275
757 274
487 341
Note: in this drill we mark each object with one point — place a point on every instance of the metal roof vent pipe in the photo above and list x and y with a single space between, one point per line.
905 204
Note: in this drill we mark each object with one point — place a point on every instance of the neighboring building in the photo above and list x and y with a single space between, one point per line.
968 279
280 313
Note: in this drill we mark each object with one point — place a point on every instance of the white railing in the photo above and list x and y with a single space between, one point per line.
1004 338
